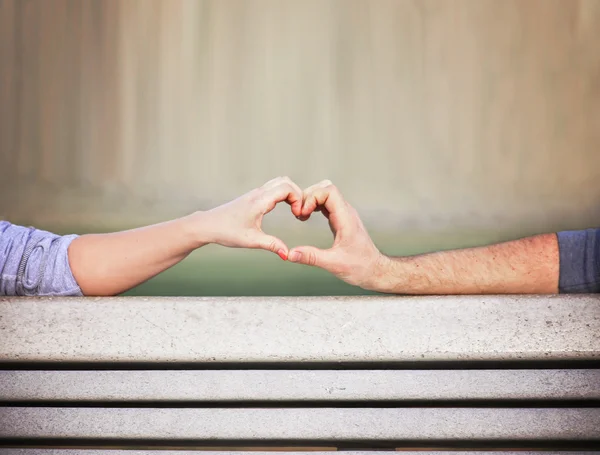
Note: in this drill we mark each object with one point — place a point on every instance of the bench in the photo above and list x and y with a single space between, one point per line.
98 375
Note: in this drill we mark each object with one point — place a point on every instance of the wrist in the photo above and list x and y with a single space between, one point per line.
380 278
196 229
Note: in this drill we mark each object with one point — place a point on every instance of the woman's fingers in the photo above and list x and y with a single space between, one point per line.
272 190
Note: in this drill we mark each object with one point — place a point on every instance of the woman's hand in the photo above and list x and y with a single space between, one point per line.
237 224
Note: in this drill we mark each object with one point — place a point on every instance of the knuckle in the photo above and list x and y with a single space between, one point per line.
332 190
256 193
310 200
271 183
265 204
257 198
312 258
279 185
340 196
272 246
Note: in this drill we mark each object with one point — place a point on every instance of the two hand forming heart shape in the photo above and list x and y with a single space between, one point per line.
353 254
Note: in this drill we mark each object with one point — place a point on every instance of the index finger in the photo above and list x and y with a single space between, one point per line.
284 192
327 196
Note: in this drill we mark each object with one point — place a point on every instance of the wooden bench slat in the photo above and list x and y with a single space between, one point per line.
278 329
301 385
303 424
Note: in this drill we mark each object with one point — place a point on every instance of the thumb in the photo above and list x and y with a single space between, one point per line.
273 244
309 255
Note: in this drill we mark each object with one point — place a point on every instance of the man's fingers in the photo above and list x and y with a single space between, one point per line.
273 244
309 255
283 192
327 196
296 208
308 191
319 208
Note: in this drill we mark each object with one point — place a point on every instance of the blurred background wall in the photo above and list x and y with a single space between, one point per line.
445 122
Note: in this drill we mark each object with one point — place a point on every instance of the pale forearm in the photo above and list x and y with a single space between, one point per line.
526 266
109 264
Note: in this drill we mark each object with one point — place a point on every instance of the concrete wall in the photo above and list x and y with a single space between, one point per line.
429 114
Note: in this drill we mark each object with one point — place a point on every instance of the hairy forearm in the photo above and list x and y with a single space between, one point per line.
526 266
109 264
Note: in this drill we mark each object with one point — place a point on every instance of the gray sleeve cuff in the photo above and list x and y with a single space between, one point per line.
579 261
48 272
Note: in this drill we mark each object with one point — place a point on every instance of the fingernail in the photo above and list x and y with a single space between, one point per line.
282 254
295 256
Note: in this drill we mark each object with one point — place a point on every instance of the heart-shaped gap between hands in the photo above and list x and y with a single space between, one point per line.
312 230
352 257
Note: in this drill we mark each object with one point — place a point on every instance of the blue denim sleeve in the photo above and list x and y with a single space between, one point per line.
35 262
579 261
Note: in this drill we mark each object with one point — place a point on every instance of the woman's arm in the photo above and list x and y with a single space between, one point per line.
109 264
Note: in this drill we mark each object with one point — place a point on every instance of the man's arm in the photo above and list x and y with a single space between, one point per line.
34 262
526 266
543 264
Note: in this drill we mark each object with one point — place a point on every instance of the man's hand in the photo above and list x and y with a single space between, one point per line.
526 266
237 224
353 256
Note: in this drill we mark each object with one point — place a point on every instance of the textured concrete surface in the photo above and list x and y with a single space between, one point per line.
316 424
300 329
277 385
